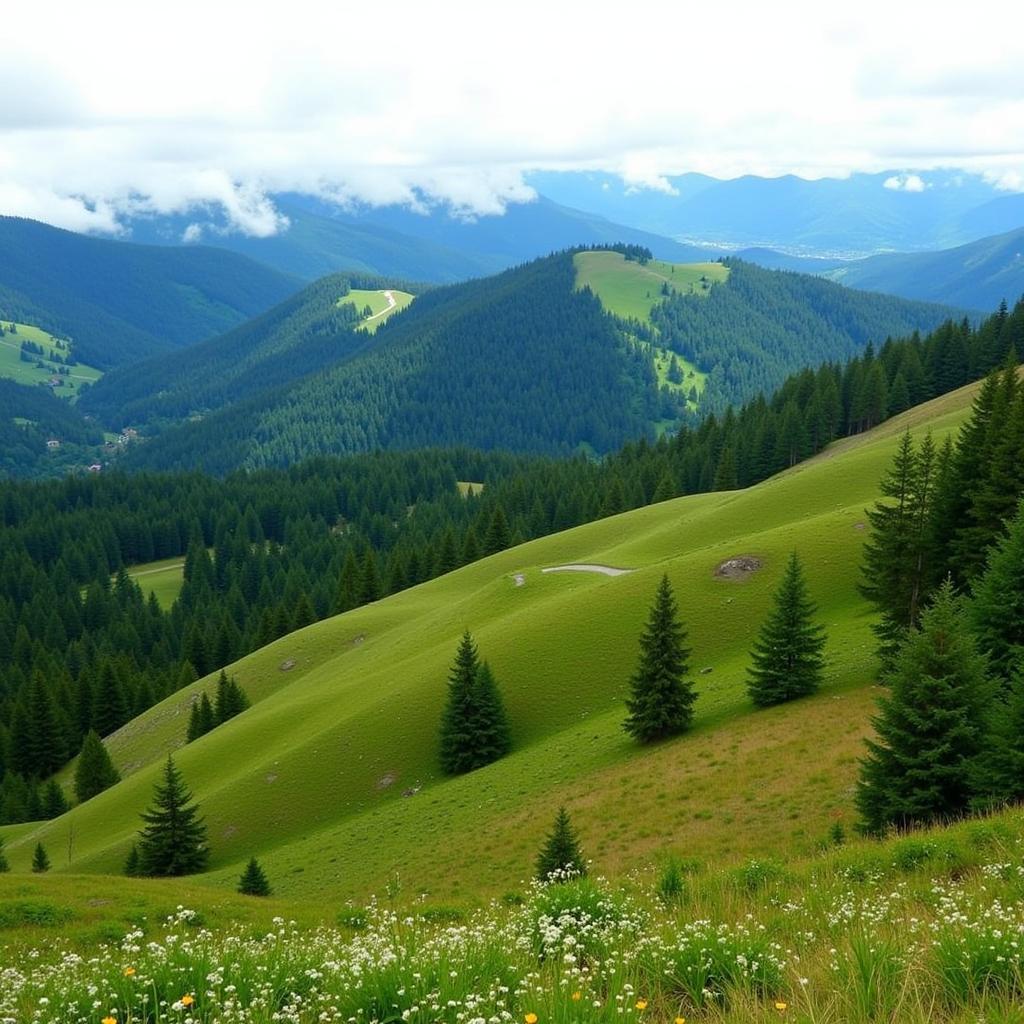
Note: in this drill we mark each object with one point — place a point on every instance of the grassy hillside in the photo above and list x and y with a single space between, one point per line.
631 290
381 302
121 302
14 368
331 776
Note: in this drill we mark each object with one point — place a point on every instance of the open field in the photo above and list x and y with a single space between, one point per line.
631 290
163 578
381 308
331 776
12 366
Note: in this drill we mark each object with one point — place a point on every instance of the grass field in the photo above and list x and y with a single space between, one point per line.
163 578
380 308
631 290
331 776
28 373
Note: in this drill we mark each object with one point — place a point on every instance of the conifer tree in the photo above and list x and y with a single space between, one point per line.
40 860
997 608
195 724
492 738
254 881
95 771
498 536
930 728
470 547
132 865
787 656
998 776
457 720
230 699
369 579
109 708
54 802
4 865
661 700
561 855
173 839
207 718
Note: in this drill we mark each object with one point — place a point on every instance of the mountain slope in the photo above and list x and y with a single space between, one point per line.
523 361
854 216
120 302
395 241
312 777
977 275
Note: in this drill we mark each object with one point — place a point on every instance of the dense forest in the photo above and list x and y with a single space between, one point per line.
763 324
474 364
270 551
121 302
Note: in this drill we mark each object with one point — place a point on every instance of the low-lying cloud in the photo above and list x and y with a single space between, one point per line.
108 111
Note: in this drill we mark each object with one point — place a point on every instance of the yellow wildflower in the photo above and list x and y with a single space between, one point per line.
109 1020
531 1018
680 1020
781 1006
129 972
577 996
187 1000
641 1004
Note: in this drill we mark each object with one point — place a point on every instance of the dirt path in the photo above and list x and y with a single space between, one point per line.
391 305
163 568
604 570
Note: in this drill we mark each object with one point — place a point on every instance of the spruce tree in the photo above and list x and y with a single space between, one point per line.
492 738
132 865
207 718
787 656
998 776
458 720
195 723
561 855
230 700
54 802
498 536
40 860
95 771
254 881
997 608
661 700
109 708
930 728
173 839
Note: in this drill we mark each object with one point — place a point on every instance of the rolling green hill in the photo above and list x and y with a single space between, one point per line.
121 302
331 776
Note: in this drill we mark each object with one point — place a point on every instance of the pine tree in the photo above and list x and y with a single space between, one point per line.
492 738
998 775
254 881
54 802
997 608
132 865
173 840
787 656
661 701
40 860
561 855
458 719
4 865
95 771
369 579
930 728
498 536
109 708
195 724
207 718
230 700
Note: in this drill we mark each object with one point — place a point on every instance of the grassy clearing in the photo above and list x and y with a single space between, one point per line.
921 928
378 304
331 776
11 365
163 578
631 291
468 487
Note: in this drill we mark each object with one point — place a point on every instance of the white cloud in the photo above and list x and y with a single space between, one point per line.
113 107
905 183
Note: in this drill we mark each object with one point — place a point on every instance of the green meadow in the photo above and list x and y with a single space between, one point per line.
331 776
11 364
377 301
163 578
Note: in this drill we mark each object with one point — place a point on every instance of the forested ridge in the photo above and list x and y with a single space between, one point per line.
269 551
519 361
121 302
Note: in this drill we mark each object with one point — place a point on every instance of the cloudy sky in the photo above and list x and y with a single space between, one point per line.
109 107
